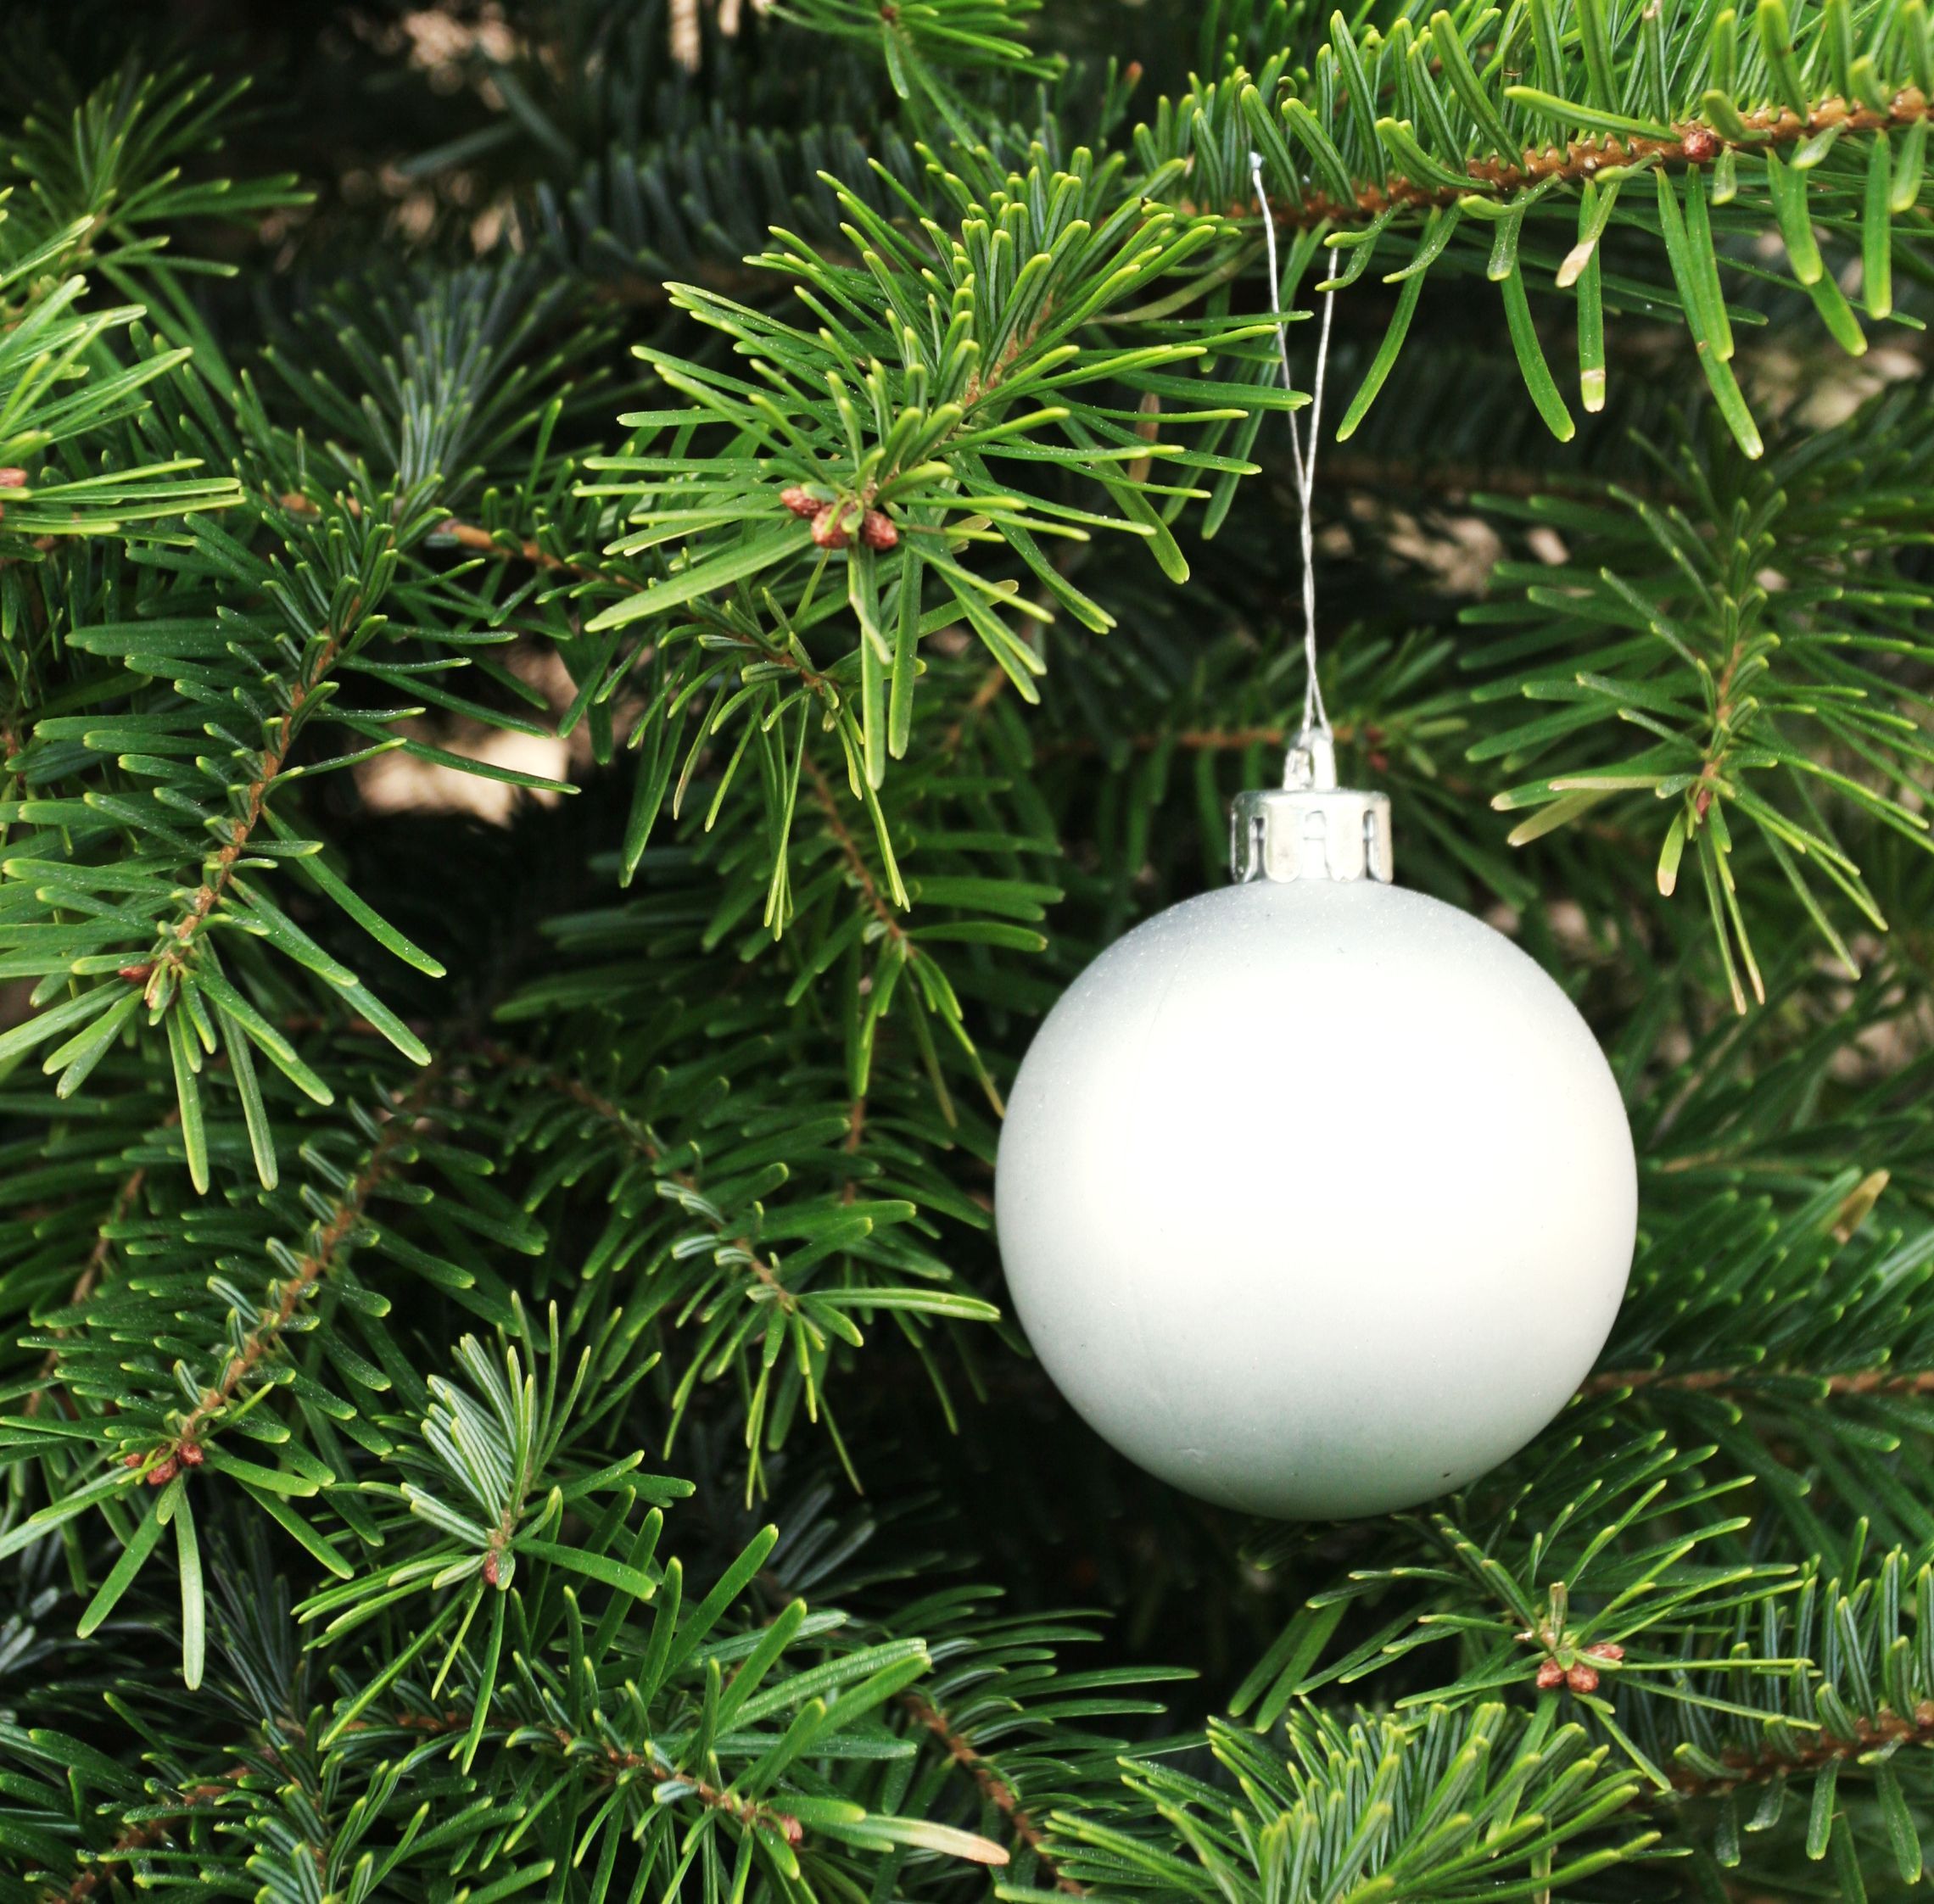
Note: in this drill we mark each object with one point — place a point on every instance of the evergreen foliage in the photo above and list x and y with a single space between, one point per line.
601 604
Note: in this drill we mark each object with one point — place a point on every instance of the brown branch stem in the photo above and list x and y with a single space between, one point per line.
856 1133
469 535
641 1139
618 1760
311 1267
615 1761
990 1785
92 1270
474 536
989 691
855 859
1887 1728
1580 159
178 939
1861 1382
144 1837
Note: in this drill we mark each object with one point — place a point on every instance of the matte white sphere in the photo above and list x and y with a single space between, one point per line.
1316 1198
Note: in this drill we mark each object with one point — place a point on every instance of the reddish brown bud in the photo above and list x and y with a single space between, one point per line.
829 527
790 1827
133 1461
137 974
163 1472
191 1453
493 1569
1605 1650
800 503
1699 144
1550 1674
876 529
11 479
1582 1679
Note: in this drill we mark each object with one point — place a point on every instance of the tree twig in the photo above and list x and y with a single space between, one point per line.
145 1837
1887 1728
92 1270
1580 159
1860 1381
992 1786
310 1269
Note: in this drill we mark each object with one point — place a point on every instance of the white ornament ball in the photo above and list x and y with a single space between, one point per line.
1317 1197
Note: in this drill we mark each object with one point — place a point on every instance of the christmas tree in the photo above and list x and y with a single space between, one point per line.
601 606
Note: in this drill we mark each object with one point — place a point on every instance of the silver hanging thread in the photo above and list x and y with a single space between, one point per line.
1311 828
1311 760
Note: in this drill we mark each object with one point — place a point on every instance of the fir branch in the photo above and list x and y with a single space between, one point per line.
1696 144
1735 657
1747 1380
636 1134
473 536
751 1167
92 1270
614 1764
148 1836
326 1244
994 1789
618 1764
1883 1731
178 940
860 872
638 1137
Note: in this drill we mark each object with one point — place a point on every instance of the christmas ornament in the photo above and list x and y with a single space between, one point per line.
1315 1195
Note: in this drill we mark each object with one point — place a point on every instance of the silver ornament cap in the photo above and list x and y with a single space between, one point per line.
1310 828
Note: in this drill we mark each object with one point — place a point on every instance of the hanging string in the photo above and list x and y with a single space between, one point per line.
1316 719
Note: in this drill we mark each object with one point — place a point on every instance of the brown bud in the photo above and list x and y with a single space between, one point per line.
1550 1674
1699 144
829 527
133 1461
1605 1650
800 503
493 1569
1582 1678
137 974
163 1472
191 1453
876 529
11 479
